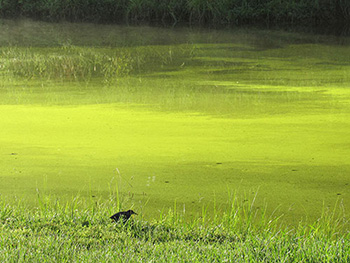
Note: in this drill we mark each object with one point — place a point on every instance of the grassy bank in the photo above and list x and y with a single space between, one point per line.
82 63
81 231
221 12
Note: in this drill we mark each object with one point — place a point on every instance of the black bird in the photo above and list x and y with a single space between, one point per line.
123 215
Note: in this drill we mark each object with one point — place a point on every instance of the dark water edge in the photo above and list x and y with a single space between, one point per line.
23 31
332 33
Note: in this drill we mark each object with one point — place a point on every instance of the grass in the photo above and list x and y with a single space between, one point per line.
82 63
80 231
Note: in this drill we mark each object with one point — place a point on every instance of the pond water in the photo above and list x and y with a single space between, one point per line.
184 115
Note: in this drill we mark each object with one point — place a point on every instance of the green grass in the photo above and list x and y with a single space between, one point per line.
81 231
82 64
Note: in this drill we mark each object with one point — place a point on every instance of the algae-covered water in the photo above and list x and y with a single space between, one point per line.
182 116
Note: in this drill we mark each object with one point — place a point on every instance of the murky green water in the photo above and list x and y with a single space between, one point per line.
175 114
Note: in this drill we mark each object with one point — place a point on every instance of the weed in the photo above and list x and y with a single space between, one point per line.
81 231
81 63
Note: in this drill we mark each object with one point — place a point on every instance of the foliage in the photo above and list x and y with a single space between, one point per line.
193 11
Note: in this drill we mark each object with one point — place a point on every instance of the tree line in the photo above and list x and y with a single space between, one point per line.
212 12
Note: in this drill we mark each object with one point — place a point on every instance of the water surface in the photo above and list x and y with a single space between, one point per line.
191 115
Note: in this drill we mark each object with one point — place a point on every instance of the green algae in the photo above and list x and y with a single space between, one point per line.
191 122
